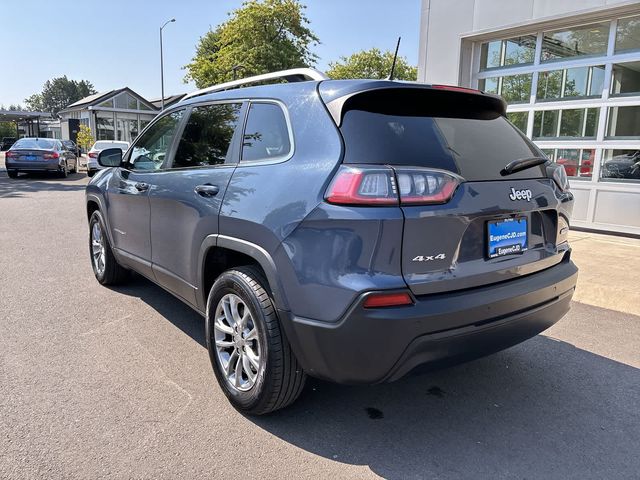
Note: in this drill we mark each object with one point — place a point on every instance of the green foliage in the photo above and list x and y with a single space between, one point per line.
58 93
371 64
7 129
85 138
12 107
261 37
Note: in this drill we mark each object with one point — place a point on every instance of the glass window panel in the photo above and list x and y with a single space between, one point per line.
104 127
490 54
571 123
575 84
621 165
519 119
545 124
132 102
549 85
550 152
591 124
624 122
597 81
628 34
266 134
107 103
516 88
126 129
489 85
207 136
512 51
151 148
143 106
578 41
126 101
576 162
625 79
519 50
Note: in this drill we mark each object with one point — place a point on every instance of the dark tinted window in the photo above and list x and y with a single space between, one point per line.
36 143
207 136
266 135
474 144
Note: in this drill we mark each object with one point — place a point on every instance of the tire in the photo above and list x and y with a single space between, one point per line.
64 173
108 271
12 173
75 167
90 173
278 379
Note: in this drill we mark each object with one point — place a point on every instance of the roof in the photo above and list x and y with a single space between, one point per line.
20 115
97 98
170 100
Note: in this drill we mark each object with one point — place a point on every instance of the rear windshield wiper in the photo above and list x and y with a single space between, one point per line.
522 164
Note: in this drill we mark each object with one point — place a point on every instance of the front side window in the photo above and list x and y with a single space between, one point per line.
207 136
152 147
266 135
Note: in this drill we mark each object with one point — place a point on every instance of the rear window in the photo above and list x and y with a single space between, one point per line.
35 143
476 143
105 145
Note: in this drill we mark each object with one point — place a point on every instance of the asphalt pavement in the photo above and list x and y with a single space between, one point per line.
116 383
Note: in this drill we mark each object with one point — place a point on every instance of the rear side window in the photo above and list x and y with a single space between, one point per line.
473 143
207 136
266 135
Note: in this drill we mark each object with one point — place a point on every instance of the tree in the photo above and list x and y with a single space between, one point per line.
260 37
7 129
58 93
371 64
85 138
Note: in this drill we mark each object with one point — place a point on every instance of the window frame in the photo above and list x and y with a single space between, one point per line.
236 139
273 160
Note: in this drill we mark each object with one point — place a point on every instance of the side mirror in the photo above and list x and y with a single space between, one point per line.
111 157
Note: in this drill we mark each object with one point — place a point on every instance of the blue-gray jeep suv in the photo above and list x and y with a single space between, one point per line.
348 230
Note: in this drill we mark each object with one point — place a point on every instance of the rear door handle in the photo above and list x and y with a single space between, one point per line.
207 190
142 187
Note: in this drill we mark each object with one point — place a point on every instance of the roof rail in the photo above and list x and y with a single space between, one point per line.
291 75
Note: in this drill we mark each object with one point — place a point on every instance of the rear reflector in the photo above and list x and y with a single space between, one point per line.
378 300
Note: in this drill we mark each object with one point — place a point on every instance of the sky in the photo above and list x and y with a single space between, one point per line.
115 43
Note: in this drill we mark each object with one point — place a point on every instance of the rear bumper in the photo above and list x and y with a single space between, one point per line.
378 345
35 166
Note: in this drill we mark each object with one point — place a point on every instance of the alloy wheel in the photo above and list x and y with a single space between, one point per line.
98 253
237 343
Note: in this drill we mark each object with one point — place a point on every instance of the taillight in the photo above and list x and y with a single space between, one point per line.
455 88
10 154
559 175
422 186
363 186
93 155
51 156
379 300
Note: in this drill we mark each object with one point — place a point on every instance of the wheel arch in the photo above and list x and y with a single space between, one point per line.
235 252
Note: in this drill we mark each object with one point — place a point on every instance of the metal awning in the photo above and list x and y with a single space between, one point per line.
22 116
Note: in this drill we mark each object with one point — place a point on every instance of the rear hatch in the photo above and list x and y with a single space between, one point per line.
486 227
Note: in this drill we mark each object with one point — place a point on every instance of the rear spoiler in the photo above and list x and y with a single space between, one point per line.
414 98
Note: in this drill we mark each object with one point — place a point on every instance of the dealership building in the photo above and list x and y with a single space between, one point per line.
570 73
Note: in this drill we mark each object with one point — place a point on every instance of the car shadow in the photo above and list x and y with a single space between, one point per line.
38 182
542 409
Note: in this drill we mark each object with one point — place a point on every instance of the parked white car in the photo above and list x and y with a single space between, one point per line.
92 161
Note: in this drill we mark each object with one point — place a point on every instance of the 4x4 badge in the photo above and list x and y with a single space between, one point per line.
520 194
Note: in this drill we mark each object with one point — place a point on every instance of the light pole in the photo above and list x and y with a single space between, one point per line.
162 64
